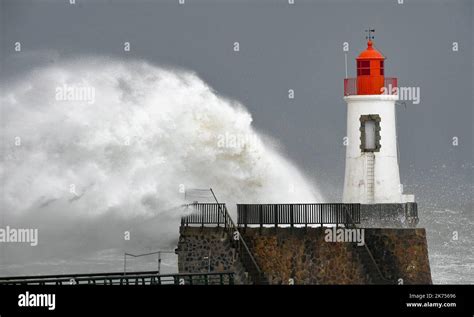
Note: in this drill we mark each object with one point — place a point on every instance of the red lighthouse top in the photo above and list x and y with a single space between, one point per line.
370 52
371 78
370 71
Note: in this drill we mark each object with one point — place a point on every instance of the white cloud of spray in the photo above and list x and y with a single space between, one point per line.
125 152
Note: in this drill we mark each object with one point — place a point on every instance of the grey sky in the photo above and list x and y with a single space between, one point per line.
285 47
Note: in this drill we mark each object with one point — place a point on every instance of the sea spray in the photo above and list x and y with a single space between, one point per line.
149 134
99 142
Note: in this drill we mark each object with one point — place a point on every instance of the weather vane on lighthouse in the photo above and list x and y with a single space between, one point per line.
370 36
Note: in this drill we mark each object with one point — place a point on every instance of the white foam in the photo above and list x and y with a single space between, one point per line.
147 131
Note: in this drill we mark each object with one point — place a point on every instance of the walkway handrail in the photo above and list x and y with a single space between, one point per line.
255 271
159 253
372 259
117 276
209 213
296 214
74 275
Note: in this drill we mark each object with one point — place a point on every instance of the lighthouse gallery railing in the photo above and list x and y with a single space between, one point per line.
350 86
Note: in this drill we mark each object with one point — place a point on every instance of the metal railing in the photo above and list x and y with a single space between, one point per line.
158 253
350 86
205 214
296 214
132 278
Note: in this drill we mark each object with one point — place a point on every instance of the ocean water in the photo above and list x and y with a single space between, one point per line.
450 245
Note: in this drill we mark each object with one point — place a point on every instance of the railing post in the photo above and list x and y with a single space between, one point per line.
320 207
246 215
345 215
260 215
202 217
351 214
291 216
275 209
305 215
358 213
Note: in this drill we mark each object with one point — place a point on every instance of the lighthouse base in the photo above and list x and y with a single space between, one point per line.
304 255
403 215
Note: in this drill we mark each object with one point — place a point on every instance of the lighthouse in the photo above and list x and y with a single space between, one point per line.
372 173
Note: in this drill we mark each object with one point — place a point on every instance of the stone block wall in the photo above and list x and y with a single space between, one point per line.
302 256
401 254
201 250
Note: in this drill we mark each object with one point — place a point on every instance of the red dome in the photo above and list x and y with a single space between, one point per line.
370 53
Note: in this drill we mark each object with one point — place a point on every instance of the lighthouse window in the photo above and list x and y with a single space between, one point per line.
370 133
381 68
363 68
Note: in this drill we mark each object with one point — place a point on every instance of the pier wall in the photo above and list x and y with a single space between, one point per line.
303 255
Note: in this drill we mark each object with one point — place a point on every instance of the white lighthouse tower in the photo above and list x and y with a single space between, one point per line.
372 173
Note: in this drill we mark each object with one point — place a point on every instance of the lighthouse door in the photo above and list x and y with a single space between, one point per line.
369 135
